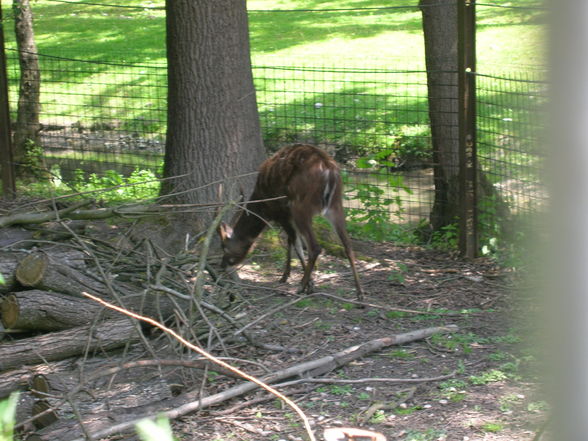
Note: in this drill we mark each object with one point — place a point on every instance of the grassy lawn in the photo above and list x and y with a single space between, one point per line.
375 40
368 38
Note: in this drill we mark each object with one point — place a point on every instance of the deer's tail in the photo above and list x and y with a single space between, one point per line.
330 189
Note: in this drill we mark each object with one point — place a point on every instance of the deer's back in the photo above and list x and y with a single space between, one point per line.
300 172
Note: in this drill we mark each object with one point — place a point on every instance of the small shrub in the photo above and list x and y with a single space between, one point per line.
492 427
7 415
492 376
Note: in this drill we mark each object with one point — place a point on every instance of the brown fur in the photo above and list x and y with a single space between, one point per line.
309 182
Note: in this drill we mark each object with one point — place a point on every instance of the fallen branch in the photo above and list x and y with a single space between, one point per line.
367 380
215 360
38 218
75 213
100 426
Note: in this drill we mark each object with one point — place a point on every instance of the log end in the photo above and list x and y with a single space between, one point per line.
40 407
9 311
31 269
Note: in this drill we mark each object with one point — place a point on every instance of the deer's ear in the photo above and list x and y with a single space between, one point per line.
224 231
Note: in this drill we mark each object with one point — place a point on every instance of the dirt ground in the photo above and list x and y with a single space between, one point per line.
489 387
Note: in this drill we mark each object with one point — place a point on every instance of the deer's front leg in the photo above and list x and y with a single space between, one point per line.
287 268
306 289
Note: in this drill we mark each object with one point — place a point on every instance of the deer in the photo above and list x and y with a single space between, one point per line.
294 185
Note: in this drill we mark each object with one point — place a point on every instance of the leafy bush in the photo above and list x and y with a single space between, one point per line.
111 187
7 413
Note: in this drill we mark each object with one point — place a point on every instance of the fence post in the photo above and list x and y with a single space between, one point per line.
6 162
466 14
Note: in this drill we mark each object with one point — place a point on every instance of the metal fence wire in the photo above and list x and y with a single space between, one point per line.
102 117
510 147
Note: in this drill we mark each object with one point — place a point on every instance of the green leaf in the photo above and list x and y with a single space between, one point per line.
7 413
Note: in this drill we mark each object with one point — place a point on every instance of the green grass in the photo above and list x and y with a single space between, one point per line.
390 40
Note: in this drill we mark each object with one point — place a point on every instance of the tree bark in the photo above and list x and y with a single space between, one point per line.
108 335
19 379
46 311
440 32
15 236
8 264
27 122
213 124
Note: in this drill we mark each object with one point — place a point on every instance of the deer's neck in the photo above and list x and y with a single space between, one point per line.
250 224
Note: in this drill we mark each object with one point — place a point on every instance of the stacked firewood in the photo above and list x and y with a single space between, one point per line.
68 355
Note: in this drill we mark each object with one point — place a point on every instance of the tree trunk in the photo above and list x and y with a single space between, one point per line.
26 134
213 124
440 32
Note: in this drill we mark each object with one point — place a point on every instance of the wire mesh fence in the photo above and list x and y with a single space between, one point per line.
108 118
98 116
373 121
510 150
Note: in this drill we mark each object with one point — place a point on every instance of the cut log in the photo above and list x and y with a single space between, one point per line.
13 236
19 379
48 416
9 262
40 270
24 408
48 311
39 386
108 335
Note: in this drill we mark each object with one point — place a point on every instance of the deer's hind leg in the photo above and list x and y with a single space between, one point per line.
336 217
303 225
293 242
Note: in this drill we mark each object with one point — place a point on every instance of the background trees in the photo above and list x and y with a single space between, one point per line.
440 32
26 133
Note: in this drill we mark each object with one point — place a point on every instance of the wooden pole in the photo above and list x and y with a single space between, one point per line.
6 163
466 15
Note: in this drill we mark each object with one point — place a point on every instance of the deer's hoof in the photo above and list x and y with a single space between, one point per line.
307 289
